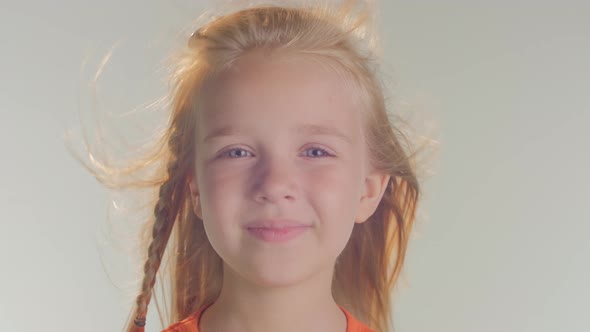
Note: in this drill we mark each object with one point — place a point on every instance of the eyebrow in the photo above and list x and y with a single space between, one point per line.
310 129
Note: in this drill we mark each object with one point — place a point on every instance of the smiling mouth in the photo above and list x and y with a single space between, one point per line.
277 234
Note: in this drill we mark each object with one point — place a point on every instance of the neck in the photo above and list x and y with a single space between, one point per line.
242 306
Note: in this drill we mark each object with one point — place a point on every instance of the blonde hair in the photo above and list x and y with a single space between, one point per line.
370 264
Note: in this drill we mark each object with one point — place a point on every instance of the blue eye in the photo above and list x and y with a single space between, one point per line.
228 152
323 152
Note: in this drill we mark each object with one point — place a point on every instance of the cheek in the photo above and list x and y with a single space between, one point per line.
335 198
220 184
335 204
221 196
219 218
337 184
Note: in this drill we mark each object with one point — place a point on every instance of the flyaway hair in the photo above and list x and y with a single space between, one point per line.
339 36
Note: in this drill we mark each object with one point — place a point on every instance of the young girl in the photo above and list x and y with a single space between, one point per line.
287 195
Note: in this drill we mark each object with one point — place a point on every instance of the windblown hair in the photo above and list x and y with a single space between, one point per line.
370 264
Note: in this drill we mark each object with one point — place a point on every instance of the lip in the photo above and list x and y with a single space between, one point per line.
275 224
276 235
276 230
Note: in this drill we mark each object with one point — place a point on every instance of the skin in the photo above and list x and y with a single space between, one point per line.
273 172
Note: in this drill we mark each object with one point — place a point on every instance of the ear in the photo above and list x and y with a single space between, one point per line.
194 192
375 185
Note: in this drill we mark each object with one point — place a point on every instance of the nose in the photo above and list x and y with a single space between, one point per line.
275 180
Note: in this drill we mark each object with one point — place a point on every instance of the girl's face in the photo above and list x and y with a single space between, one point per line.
279 137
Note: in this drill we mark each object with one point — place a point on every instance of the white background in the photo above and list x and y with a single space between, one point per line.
503 240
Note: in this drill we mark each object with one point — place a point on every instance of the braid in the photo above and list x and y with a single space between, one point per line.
165 213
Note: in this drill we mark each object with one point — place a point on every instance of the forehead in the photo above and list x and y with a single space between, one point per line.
280 91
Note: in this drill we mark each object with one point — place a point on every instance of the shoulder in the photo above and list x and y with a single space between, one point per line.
353 324
189 324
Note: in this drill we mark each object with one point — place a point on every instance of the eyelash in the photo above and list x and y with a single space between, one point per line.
225 153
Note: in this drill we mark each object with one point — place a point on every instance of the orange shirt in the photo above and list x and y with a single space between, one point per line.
190 324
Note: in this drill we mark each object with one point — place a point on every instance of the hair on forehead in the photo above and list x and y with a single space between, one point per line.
339 36
344 79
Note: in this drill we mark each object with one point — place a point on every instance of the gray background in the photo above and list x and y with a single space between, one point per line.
502 243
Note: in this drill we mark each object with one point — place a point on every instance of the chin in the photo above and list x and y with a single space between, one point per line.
274 275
